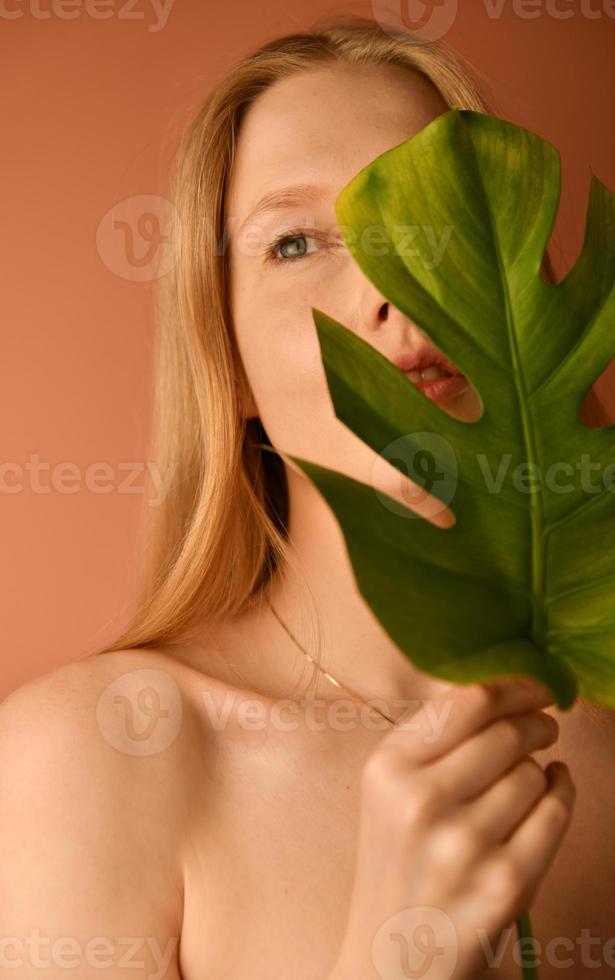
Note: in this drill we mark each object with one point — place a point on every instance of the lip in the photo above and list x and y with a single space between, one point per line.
427 356
441 390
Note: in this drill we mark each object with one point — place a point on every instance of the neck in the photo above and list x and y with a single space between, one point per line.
355 648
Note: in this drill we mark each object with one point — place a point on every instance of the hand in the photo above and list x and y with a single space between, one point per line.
466 826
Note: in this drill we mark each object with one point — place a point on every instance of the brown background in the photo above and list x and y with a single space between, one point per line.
91 111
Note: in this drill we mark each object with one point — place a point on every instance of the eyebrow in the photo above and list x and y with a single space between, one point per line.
287 197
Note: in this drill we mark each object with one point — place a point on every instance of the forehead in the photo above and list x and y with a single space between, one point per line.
323 125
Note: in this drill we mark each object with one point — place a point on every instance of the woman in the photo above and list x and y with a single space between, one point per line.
188 792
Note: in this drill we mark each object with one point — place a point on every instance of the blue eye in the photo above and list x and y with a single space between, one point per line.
288 237
287 241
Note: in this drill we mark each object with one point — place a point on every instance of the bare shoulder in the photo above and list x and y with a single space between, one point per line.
98 701
138 725
143 696
95 780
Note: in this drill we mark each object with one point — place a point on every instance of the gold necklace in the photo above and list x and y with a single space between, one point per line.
329 676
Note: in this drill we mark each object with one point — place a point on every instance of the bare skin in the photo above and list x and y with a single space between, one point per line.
305 862
241 835
235 845
293 862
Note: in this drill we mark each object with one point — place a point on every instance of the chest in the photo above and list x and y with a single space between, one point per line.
270 858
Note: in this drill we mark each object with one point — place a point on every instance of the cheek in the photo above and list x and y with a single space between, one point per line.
283 365
278 344
279 348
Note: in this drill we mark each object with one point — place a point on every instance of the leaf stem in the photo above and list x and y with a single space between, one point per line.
524 932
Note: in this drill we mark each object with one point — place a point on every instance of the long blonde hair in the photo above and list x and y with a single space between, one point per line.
213 544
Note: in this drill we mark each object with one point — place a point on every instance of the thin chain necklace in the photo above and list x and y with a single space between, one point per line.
329 677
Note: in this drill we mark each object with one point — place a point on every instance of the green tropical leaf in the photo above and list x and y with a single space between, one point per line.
524 582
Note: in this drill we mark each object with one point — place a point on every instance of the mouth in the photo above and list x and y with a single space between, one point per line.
437 383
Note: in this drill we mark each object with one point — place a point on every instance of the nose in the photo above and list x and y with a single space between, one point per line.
387 329
381 324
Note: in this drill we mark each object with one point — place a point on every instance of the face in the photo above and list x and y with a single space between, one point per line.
319 128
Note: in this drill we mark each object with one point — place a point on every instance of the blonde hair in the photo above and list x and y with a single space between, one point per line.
220 534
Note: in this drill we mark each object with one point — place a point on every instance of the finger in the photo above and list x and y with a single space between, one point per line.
484 758
533 845
506 883
442 723
499 810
